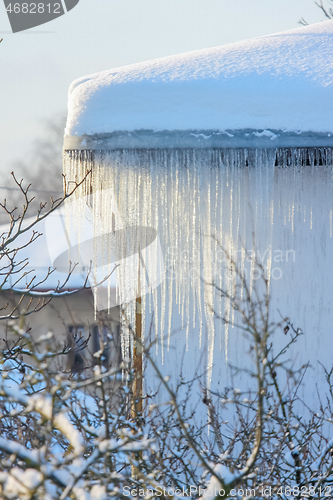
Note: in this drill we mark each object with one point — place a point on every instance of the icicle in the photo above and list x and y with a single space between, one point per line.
190 197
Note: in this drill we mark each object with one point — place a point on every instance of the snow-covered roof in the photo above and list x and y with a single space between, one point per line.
271 90
51 250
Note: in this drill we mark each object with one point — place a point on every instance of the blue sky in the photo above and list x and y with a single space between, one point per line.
37 66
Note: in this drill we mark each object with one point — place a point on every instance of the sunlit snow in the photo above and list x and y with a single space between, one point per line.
218 150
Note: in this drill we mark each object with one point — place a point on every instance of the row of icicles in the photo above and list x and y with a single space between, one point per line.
208 207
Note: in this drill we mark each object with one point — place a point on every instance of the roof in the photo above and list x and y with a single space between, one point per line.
271 90
52 250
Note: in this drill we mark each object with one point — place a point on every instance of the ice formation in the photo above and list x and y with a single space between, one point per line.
207 205
221 152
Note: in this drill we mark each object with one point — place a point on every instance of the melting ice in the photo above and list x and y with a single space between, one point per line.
208 207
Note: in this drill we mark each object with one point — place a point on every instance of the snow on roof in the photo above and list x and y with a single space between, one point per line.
51 250
259 90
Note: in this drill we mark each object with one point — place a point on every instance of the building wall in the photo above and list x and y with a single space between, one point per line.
66 317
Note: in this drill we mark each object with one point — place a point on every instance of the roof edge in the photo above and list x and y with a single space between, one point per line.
181 139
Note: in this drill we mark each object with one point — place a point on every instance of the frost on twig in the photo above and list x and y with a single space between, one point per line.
14 267
72 435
